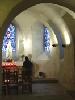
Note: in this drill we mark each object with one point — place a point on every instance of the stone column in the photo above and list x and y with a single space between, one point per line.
37 45
37 40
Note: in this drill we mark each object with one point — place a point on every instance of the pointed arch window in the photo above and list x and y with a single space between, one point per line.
10 37
46 40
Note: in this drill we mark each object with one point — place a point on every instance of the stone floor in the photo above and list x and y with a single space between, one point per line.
42 91
47 89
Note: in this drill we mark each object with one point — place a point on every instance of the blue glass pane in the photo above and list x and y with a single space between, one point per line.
46 40
10 35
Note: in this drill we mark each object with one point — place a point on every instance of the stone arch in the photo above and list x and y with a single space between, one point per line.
22 5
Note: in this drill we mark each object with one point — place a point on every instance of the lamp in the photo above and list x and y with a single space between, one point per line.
63 45
54 45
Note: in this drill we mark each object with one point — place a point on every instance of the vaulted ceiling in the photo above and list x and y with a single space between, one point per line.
48 14
9 9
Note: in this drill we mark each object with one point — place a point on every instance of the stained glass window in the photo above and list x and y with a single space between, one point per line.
9 38
46 40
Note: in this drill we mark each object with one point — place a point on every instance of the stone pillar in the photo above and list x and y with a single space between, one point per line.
37 40
17 42
37 45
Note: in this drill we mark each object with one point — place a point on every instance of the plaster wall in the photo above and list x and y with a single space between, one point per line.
43 62
66 76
